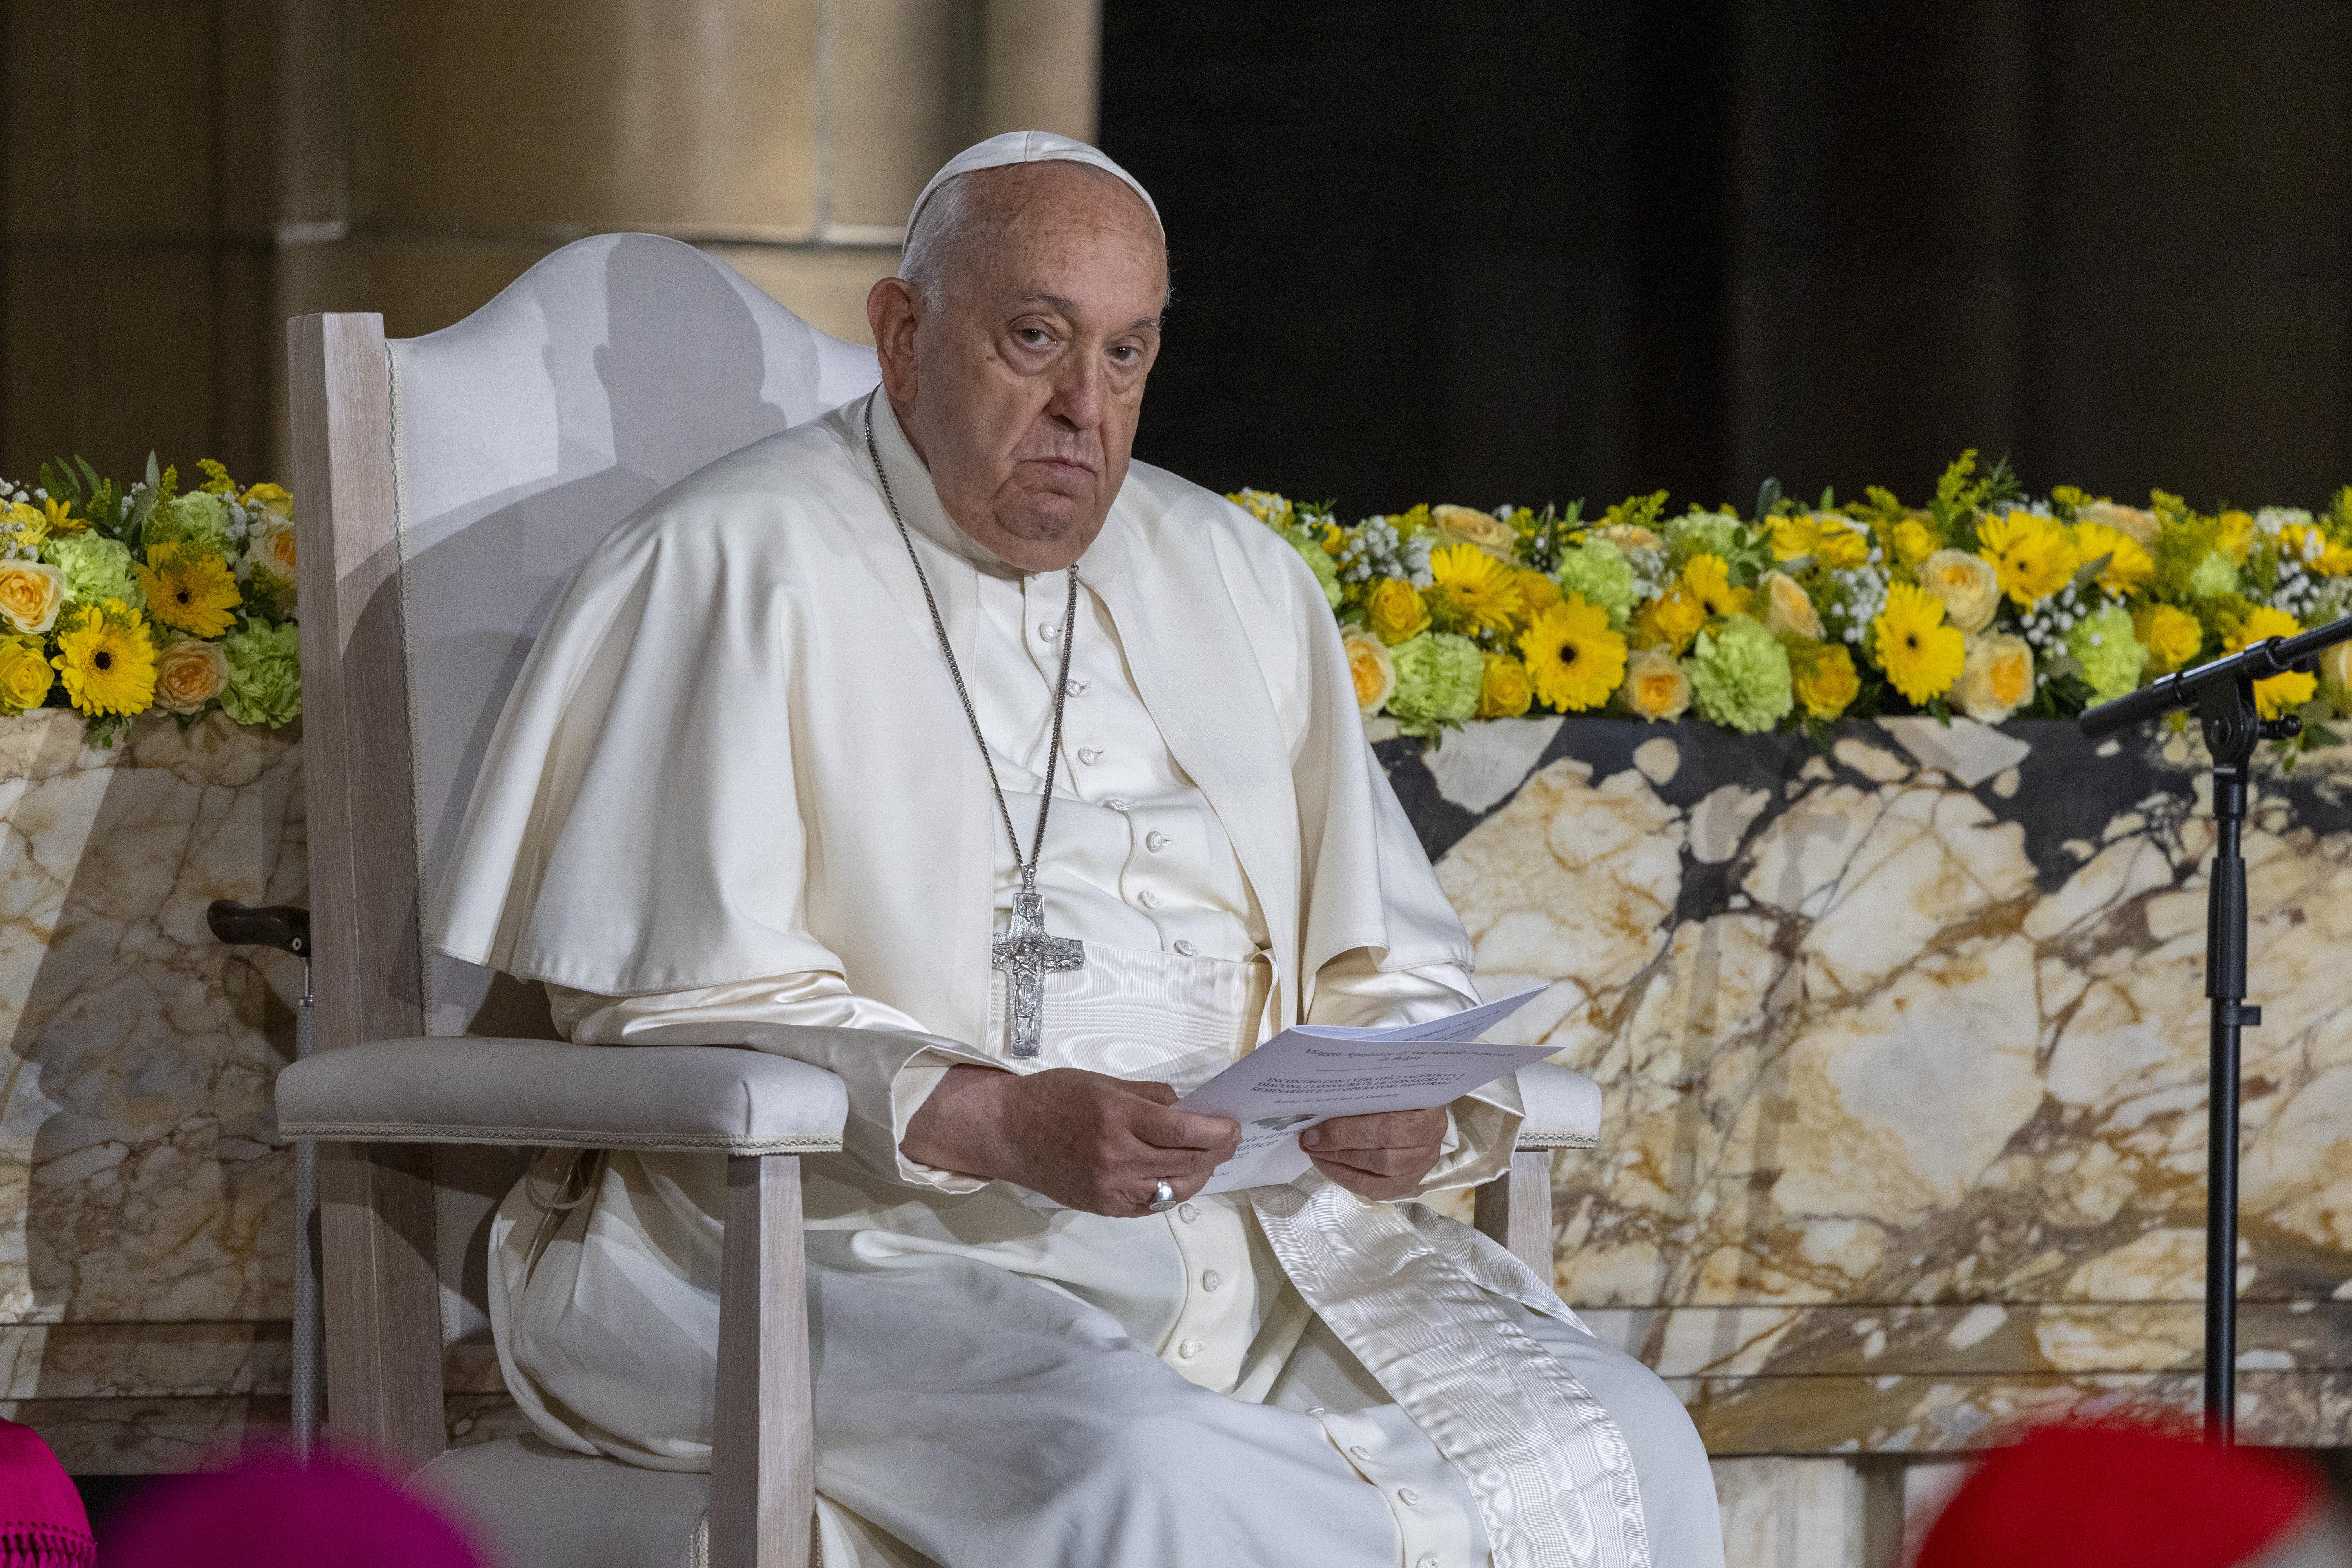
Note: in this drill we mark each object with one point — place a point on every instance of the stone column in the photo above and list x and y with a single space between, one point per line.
434 149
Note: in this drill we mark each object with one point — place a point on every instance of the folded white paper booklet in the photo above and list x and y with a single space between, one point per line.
1316 1072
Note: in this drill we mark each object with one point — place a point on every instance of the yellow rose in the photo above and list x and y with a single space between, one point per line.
1537 594
1395 612
25 673
27 522
1469 525
2130 519
30 592
1793 538
1997 679
1839 543
189 674
1670 620
271 499
271 547
2171 636
1914 542
1657 688
1788 612
1823 679
2237 535
1504 691
1370 666
1969 586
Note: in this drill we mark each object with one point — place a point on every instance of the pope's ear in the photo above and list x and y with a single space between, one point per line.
893 310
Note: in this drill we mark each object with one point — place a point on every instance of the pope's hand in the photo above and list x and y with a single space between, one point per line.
1379 1157
1085 1139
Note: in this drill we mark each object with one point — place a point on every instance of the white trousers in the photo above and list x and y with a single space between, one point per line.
1029 1431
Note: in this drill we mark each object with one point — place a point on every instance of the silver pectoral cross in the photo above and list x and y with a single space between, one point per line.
1025 953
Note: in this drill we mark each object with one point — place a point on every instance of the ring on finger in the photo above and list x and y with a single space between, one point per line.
1163 1197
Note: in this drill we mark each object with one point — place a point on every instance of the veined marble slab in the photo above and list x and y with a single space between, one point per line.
1904 1134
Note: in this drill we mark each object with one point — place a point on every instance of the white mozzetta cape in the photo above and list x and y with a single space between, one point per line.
733 755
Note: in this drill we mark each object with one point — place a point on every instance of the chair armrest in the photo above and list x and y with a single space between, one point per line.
1563 1109
464 1090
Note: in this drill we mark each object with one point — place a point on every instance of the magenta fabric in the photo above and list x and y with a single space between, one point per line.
42 1522
268 1511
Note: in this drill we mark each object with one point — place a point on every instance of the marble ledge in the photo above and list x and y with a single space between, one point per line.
172 1437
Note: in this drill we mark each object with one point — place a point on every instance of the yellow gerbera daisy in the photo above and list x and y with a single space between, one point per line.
2129 567
2032 554
1709 578
1482 591
1574 660
61 520
1919 653
107 656
2280 692
190 589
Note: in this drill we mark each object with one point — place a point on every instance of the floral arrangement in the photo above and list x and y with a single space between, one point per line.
1983 602
121 600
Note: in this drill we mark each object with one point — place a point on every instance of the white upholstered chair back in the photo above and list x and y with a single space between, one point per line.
615 367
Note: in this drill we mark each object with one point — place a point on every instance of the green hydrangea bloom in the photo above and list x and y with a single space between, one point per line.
2111 657
198 518
265 674
1599 570
1437 679
1702 534
1740 677
2215 577
97 569
1319 560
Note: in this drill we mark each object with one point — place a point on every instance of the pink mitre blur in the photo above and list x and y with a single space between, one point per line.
271 1511
1017 370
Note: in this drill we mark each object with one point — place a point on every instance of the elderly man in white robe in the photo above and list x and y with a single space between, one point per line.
826 743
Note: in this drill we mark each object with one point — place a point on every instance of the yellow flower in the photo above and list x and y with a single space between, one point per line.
1794 538
1266 506
1482 591
59 520
2129 567
2301 541
189 589
1504 691
1630 536
1395 612
30 527
1787 610
1670 620
2171 636
270 498
25 675
1657 687
1370 666
189 674
2280 692
108 658
1574 660
1838 543
1914 542
2335 669
1919 653
2335 561
1968 584
30 595
1480 530
1537 594
1709 578
2032 554
2237 536
2140 526
1823 679
1997 678
270 548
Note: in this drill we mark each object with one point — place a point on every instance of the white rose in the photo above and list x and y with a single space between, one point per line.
30 594
1997 679
189 673
1370 667
1968 585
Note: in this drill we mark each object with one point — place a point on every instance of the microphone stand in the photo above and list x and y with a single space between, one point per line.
2221 694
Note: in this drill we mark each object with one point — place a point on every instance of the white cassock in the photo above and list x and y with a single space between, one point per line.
734 798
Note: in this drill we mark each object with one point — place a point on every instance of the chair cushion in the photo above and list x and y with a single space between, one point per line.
532 1505
461 1090
1563 1109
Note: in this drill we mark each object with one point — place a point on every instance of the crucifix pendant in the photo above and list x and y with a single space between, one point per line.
1025 953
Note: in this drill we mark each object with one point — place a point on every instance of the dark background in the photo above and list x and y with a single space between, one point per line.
1487 252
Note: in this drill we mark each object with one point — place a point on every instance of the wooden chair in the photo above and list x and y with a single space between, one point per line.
447 487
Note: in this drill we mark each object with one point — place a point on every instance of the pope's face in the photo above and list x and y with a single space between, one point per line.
1021 386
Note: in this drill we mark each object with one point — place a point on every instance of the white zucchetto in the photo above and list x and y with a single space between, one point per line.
1028 147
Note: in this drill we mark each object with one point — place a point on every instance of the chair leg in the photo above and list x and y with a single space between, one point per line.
1515 1209
764 1454
383 1299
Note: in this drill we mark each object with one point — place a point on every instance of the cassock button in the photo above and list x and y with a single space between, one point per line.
1155 841
1407 1496
1119 802
1317 1410
1360 1453
1190 1349
1185 948
1188 1214
1148 899
1090 753
1075 686
1211 1279
1426 1560
1051 631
